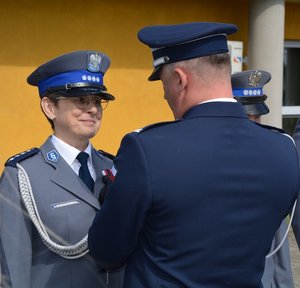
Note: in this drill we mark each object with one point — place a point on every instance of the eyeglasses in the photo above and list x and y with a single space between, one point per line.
84 102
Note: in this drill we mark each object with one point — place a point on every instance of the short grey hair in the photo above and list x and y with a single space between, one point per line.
199 65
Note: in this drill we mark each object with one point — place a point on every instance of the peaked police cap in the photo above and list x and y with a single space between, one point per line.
173 43
247 88
77 73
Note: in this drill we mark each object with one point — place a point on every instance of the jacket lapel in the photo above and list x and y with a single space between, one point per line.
99 165
65 177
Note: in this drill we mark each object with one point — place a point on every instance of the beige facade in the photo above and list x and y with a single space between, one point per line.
33 32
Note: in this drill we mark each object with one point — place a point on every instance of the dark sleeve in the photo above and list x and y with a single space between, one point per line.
113 235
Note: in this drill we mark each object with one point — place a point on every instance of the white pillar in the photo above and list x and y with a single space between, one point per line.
265 51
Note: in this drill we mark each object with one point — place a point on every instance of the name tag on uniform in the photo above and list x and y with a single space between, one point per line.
65 204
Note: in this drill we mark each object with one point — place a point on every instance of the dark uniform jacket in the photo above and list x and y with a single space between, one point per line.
196 202
66 207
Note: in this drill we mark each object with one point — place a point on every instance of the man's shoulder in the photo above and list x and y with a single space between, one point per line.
155 126
279 132
20 157
272 128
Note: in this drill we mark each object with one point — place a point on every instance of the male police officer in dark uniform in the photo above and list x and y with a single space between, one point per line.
247 88
193 204
49 196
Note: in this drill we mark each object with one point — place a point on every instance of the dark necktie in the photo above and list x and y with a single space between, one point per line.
84 173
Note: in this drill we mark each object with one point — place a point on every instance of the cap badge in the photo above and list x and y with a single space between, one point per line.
94 62
254 78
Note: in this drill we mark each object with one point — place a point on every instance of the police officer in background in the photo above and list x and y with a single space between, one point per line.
189 205
247 88
296 218
49 195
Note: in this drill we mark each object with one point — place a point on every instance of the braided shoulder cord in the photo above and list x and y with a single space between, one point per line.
69 251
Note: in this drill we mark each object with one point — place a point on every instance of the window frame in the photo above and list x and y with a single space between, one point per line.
291 111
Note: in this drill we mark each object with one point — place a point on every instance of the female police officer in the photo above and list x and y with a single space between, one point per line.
49 195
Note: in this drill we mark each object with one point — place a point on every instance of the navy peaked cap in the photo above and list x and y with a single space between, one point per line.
173 43
77 73
247 88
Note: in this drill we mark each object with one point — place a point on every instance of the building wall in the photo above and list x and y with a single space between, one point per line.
292 21
33 32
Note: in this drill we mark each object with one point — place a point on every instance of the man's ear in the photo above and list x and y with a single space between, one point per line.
48 107
181 79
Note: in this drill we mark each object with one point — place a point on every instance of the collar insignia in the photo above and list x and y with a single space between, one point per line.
53 156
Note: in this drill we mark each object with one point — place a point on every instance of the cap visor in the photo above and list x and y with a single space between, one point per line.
86 91
155 75
256 109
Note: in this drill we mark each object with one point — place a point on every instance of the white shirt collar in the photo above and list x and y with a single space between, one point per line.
219 100
68 152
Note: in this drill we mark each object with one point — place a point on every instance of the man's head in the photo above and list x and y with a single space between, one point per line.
247 88
174 43
73 94
190 59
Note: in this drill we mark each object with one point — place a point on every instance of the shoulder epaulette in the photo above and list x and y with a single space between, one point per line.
154 125
271 128
106 154
12 161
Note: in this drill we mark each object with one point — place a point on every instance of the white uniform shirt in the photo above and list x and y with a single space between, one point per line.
69 153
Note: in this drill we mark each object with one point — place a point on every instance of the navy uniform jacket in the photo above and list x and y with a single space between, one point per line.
30 263
296 221
196 202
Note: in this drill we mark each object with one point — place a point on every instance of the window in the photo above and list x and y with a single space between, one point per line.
291 86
